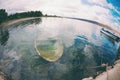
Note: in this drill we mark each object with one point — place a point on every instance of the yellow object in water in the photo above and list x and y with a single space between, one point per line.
49 49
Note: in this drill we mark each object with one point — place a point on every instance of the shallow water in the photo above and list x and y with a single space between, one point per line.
83 47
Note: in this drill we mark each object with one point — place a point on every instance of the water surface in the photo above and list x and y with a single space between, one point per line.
80 46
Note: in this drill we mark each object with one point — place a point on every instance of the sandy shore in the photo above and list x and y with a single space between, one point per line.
12 22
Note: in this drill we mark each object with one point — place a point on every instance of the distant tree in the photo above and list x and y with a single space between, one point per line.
25 14
3 15
46 15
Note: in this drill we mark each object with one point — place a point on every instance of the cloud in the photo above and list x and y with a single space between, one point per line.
17 6
99 10
103 3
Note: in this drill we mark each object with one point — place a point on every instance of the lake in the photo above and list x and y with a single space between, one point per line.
54 49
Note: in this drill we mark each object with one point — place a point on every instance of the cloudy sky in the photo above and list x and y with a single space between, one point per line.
104 11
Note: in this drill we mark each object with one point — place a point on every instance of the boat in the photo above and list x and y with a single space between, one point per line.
110 34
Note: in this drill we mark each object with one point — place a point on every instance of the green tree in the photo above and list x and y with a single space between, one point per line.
3 15
25 14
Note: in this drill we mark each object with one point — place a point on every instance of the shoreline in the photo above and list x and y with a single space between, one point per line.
12 22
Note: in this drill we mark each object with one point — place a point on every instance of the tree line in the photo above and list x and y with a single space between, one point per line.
5 17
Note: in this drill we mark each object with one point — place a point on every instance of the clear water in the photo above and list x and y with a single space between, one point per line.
83 45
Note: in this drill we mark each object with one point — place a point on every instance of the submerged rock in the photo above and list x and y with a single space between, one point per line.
49 49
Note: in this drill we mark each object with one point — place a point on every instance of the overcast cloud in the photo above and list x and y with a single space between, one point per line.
98 10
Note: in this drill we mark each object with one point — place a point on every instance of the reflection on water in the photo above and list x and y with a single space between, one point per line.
4 35
81 44
27 22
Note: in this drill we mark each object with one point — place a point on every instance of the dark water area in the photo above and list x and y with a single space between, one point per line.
83 47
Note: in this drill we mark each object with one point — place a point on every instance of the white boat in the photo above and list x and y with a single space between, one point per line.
110 34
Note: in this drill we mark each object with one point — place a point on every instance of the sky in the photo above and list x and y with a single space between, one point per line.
103 11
